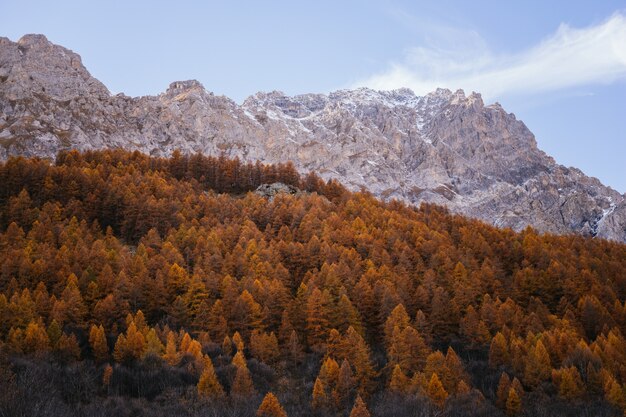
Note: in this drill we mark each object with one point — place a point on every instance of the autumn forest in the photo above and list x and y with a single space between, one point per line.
132 285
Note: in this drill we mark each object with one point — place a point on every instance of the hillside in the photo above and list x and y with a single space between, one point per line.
134 285
446 147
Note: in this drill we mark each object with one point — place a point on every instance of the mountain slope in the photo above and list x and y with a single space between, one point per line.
445 147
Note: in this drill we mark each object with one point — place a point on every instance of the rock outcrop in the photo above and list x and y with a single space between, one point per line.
271 190
446 147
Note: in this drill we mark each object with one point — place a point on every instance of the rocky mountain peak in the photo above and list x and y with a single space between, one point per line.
34 39
445 147
33 65
179 87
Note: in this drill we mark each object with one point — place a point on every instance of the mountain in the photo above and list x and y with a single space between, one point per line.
446 147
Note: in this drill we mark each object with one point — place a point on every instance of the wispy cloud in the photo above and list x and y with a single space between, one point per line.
570 57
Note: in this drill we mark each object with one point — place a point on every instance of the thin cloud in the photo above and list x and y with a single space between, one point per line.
570 57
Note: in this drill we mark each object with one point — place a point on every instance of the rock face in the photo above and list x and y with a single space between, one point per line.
271 190
444 147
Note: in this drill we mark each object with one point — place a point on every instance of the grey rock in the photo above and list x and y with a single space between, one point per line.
445 147
271 190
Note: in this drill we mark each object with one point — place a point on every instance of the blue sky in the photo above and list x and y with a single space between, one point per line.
560 66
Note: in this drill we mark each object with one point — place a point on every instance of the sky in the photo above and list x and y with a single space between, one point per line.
560 66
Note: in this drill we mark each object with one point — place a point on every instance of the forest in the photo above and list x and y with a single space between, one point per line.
133 285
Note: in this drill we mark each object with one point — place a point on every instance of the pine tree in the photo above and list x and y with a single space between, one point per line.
242 386
569 383
357 352
399 383
359 409
270 407
443 317
517 386
239 360
238 342
454 371
264 346
320 399
154 346
498 351
120 351
416 350
474 330
35 339
419 383
217 325
135 342
435 364
397 319
513 403
294 349
98 343
74 307
614 393
329 372
463 388
171 355
344 386
54 334
208 385
436 391
15 340
68 348
316 321
227 346
502 393
538 366
347 315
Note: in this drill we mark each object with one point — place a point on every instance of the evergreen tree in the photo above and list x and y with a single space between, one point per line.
208 385
270 407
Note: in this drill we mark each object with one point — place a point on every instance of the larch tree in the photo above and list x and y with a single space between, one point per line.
569 383
454 371
98 343
614 393
399 383
35 340
537 368
270 407
242 386
397 319
239 360
319 399
316 321
344 387
171 355
498 351
513 403
154 346
329 372
54 334
357 352
68 348
359 409
502 392
208 385
436 392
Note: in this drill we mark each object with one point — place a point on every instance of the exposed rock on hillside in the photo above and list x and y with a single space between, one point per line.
271 190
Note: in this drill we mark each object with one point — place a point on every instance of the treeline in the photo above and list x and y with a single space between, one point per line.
131 284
